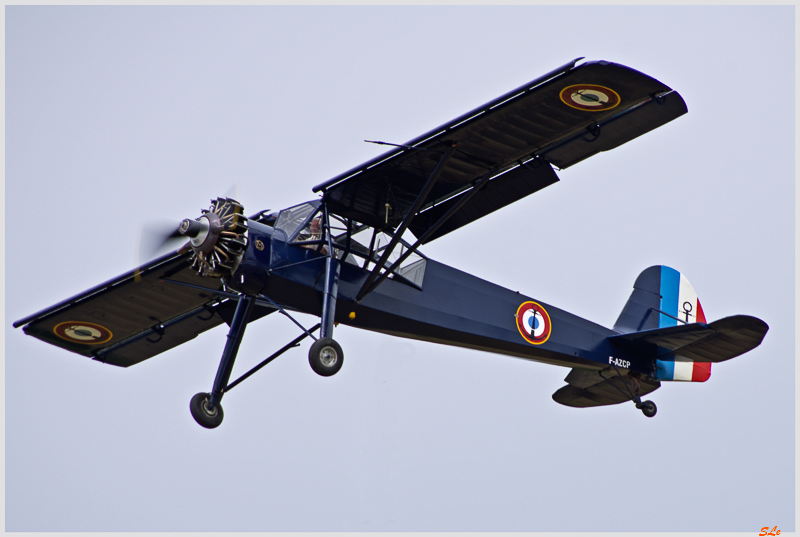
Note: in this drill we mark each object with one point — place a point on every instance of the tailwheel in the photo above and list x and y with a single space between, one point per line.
326 357
204 413
649 409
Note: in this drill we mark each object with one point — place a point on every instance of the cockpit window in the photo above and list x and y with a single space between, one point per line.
312 231
352 242
291 219
312 236
366 245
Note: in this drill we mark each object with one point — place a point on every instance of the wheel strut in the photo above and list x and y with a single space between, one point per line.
205 407
648 408
325 356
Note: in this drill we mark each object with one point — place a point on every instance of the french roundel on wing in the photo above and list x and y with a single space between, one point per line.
83 332
590 97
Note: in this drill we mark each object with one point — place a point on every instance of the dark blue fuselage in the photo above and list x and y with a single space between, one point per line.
453 307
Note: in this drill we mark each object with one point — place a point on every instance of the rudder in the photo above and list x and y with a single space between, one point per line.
663 297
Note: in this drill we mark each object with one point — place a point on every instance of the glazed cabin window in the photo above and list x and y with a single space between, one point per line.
291 219
366 247
353 243
312 236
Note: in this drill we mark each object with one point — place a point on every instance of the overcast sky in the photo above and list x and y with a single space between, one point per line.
118 116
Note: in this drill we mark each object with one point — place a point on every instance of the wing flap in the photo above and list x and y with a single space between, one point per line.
496 194
163 337
159 338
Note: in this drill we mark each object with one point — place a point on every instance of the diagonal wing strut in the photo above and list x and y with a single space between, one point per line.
368 285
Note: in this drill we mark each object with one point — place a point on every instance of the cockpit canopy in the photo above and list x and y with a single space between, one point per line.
358 244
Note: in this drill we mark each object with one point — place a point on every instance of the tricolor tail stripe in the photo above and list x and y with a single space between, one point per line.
678 300
663 299
686 371
670 287
679 305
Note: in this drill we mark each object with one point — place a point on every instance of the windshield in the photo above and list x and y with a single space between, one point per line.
291 219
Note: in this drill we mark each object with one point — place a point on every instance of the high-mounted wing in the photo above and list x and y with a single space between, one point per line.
503 149
137 315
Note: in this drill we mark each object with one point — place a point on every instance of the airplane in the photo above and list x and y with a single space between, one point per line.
352 257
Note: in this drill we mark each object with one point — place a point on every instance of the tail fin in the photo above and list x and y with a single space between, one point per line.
663 297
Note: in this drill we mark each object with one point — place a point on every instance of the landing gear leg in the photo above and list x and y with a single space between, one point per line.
205 407
648 408
325 356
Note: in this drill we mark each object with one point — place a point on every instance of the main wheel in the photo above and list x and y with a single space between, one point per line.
649 409
326 357
203 413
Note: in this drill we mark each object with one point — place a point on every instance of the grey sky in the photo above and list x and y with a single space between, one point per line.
117 116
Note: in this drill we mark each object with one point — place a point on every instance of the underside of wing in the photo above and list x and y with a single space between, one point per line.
505 149
698 342
587 388
137 315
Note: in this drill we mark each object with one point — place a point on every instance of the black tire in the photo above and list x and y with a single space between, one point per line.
204 414
649 409
326 357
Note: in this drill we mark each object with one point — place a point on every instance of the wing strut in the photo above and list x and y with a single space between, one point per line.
444 218
368 285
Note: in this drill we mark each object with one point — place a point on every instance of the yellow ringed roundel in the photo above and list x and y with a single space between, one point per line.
83 332
589 97
533 323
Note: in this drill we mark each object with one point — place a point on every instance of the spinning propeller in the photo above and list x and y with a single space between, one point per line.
217 238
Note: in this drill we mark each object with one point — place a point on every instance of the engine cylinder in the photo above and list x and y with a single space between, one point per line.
218 238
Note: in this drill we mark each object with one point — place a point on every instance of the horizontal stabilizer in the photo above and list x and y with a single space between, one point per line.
698 342
598 388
